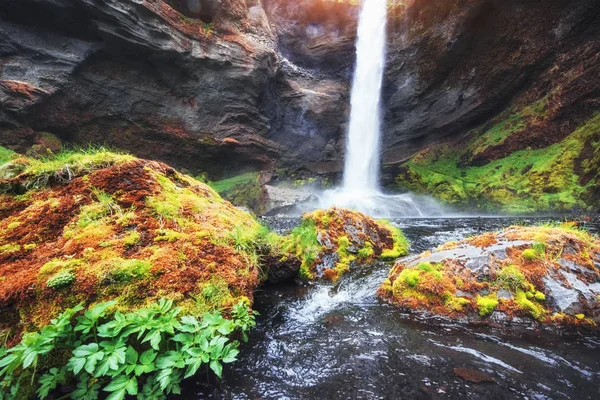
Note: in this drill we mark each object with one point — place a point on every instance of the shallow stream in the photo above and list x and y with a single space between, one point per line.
340 342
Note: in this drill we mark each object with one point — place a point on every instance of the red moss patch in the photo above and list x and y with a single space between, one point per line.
136 231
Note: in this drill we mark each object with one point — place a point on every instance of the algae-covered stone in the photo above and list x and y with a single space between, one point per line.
546 274
91 226
329 242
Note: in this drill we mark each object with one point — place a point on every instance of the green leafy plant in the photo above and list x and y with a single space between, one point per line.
146 353
61 279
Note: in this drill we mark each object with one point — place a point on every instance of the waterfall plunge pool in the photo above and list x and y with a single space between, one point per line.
339 342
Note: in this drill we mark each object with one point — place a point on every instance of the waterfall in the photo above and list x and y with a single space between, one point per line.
360 190
361 172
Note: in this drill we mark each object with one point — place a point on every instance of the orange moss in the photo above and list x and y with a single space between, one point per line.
483 241
434 287
83 222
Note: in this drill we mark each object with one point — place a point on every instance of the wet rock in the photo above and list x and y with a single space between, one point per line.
280 200
331 242
280 271
518 276
473 375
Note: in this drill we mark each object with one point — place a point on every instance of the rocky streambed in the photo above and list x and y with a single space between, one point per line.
338 341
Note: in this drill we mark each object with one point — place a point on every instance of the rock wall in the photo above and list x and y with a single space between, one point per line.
454 65
140 75
230 86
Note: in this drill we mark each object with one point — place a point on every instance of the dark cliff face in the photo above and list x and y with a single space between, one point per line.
200 85
233 85
456 64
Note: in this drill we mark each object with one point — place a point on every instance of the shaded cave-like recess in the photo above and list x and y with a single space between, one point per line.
204 10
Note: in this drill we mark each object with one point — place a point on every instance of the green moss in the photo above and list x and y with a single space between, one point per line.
401 244
343 244
524 181
303 243
499 132
367 251
61 279
457 304
410 277
128 270
530 254
10 248
226 185
6 155
539 296
167 235
52 267
487 304
534 309
215 295
132 238
511 277
14 225
29 246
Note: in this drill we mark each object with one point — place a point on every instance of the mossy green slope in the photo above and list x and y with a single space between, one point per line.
561 177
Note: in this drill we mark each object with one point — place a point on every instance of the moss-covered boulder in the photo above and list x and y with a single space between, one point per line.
87 227
328 242
542 274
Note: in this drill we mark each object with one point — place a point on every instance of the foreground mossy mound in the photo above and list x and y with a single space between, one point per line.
92 226
542 274
328 242
490 171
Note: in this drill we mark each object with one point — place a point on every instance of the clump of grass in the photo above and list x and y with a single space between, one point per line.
69 164
226 185
511 277
6 155
303 243
103 205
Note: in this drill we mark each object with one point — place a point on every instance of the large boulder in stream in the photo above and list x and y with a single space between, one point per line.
88 227
328 243
521 275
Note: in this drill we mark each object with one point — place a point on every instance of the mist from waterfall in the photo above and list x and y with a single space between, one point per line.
360 190
361 172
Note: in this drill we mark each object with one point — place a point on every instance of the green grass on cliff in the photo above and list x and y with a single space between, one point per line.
5 155
525 181
226 185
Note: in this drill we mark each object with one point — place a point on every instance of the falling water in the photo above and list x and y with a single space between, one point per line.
360 190
361 171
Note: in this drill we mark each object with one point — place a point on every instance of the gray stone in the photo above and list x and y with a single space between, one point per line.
505 294
286 200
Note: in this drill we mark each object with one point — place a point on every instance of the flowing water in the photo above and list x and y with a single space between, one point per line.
361 172
360 190
339 342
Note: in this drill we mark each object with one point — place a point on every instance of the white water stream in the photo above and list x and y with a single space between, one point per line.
360 190
361 172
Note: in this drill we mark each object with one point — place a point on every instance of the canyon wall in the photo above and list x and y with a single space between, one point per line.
230 86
